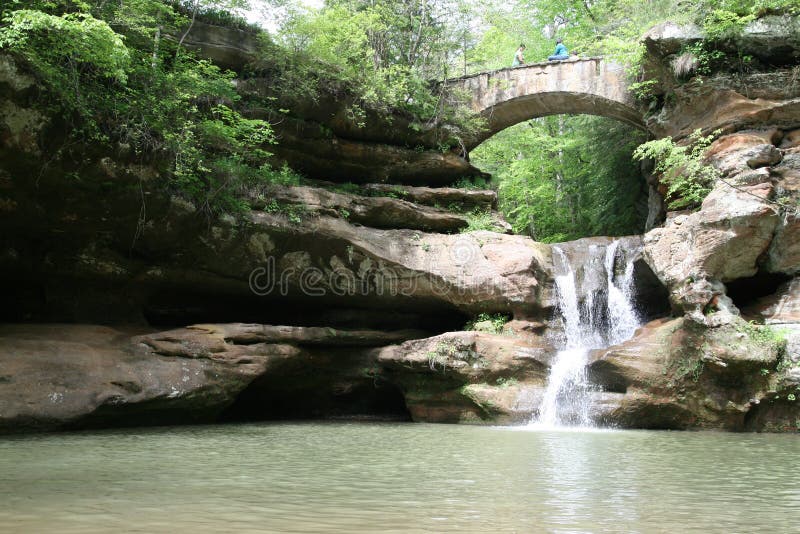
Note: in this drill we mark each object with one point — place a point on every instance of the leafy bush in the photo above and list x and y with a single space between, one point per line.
75 53
106 69
763 334
471 183
682 168
479 220
493 322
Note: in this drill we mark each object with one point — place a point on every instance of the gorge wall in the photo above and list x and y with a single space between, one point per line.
124 305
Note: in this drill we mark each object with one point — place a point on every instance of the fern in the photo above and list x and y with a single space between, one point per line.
683 171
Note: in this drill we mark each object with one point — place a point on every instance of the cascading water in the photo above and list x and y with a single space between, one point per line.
606 318
623 320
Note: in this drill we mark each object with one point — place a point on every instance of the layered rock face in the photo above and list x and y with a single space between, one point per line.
681 375
745 226
77 376
729 102
322 137
326 302
724 263
344 270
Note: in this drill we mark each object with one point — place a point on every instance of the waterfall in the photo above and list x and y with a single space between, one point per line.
623 320
606 318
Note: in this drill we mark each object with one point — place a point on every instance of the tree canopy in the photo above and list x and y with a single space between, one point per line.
118 73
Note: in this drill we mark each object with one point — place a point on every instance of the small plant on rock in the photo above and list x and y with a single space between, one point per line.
688 178
479 220
506 382
484 322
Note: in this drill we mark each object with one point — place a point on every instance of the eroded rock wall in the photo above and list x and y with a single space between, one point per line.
371 287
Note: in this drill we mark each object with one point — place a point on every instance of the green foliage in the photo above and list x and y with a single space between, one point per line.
76 54
109 72
385 54
562 178
682 168
705 59
479 220
76 41
295 213
644 90
442 352
763 334
493 323
217 13
688 368
722 24
471 183
283 176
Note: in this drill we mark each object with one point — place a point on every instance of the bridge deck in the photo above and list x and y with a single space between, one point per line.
525 66
507 96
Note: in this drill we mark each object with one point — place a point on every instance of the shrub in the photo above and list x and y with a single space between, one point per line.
682 168
493 323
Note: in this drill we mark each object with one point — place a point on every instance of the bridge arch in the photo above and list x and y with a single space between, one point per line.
582 86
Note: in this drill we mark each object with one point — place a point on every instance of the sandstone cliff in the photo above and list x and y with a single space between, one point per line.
330 302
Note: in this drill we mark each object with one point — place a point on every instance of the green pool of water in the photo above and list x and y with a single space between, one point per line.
367 477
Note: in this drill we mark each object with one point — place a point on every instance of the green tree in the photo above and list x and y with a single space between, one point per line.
562 177
113 80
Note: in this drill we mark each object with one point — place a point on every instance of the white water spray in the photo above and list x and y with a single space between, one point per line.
596 324
623 320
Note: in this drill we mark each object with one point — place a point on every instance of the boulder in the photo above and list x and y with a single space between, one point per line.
670 37
784 252
228 48
774 39
730 103
469 377
734 153
693 254
781 311
635 362
678 374
72 376
791 139
781 307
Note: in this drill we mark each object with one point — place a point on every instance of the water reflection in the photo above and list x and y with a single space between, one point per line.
368 477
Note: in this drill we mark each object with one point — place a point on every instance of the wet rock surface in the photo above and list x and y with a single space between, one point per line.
680 375
469 377
362 284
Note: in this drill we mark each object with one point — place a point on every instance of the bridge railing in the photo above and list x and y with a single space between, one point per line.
526 65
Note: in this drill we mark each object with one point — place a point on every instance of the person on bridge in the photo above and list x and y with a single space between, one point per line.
518 59
561 52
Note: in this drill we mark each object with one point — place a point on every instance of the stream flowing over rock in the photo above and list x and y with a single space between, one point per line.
125 305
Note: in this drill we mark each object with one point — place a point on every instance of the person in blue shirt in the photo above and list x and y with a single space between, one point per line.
518 59
561 52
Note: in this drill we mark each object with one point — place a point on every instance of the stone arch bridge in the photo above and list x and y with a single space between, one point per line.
508 96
